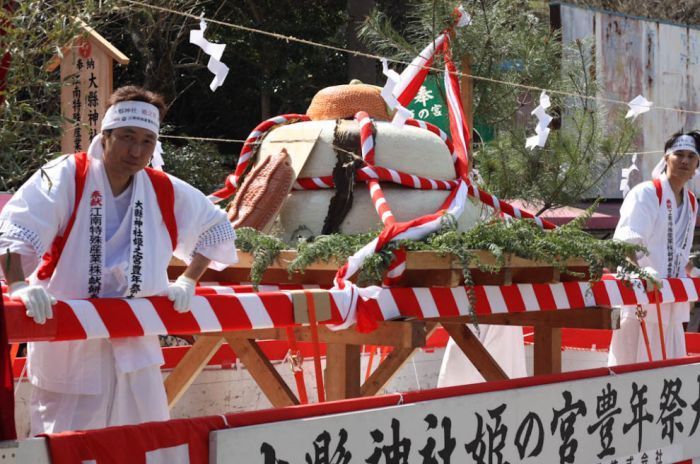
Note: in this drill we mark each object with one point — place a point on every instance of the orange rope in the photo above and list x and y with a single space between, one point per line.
372 349
317 349
646 338
297 360
661 323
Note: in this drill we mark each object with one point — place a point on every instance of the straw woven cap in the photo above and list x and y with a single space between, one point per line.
343 101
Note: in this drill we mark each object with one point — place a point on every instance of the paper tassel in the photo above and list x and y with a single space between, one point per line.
215 51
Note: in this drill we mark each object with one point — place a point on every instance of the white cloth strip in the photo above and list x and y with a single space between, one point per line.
416 181
461 299
495 299
89 318
319 182
395 176
426 302
666 292
148 317
433 184
613 292
386 216
397 271
256 310
379 202
527 292
560 299
690 289
387 305
587 292
373 189
223 290
640 292
268 288
367 146
204 314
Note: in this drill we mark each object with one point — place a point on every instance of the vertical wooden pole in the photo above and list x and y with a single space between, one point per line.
342 371
547 350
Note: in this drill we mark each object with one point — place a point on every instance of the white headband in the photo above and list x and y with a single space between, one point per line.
126 114
683 142
132 114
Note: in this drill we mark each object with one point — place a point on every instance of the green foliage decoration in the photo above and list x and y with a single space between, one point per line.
522 238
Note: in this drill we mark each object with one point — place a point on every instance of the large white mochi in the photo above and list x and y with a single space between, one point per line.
304 211
410 149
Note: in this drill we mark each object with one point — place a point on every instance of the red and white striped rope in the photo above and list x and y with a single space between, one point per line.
375 190
115 318
367 173
233 181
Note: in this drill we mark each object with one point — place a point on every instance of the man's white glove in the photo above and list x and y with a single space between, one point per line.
694 272
36 299
654 280
181 292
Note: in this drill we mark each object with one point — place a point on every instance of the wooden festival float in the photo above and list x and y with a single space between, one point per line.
331 168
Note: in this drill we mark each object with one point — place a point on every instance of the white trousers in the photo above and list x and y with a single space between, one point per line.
627 345
127 398
504 343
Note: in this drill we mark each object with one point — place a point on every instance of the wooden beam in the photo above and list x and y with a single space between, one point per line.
404 334
190 366
263 372
475 351
388 368
342 377
547 350
383 374
588 318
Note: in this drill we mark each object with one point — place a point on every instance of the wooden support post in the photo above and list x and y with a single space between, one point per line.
262 371
547 350
190 366
342 371
383 374
475 351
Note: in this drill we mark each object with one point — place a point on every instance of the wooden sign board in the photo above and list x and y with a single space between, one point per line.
86 75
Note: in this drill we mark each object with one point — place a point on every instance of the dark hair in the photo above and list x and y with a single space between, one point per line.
694 134
135 93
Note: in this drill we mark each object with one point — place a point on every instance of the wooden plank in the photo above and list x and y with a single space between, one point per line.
342 375
263 372
190 366
415 260
388 368
588 318
383 374
547 350
475 351
406 334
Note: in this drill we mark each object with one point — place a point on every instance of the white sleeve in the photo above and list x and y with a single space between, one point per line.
38 212
638 215
202 227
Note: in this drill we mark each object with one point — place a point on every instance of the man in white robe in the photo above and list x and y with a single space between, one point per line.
660 215
117 242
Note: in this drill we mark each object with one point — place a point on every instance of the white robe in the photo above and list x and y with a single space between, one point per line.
39 211
504 343
646 222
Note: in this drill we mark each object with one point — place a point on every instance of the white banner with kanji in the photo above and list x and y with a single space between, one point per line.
645 416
